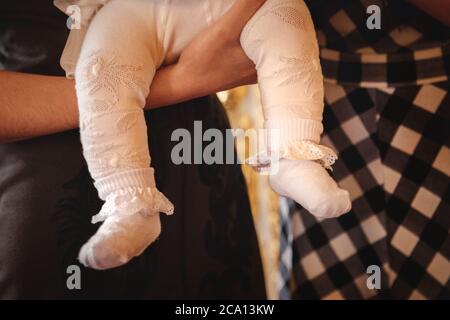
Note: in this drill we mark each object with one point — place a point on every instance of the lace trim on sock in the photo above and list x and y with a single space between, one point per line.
295 150
132 200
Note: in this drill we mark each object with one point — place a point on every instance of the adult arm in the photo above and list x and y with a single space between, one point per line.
37 105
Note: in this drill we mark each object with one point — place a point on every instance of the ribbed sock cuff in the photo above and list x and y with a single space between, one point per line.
141 178
284 131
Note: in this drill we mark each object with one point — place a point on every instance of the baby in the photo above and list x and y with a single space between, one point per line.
114 61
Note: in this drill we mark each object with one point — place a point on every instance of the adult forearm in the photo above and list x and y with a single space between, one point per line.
177 83
438 9
185 80
35 105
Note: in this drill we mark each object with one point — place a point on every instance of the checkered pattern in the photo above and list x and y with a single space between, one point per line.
385 70
395 162
342 26
286 239
408 49
387 113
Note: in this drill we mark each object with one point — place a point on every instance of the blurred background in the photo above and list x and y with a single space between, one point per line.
245 112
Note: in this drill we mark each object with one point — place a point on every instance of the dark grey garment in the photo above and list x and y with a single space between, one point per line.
208 249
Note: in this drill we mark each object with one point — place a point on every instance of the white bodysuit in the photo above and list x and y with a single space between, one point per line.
114 56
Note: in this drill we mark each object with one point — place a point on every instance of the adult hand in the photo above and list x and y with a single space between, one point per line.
212 62
37 105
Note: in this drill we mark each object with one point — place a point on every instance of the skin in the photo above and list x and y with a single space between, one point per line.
438 9
37 105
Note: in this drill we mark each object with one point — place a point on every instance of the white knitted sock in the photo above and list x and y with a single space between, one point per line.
113 76
119 239
131 219
308 183
281 41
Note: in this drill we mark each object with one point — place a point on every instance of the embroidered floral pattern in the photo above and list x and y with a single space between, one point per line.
105 73
103 76
95 151
303 70
108 162
98 106
100 84
127 121
291 16
89 129
297 70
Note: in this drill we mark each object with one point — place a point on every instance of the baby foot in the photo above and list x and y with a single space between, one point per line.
309 184
120 238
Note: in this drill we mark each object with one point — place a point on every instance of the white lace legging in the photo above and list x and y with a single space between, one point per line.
128 40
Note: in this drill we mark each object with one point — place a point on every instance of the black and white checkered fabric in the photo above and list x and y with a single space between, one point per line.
388 115
395 162
409 47
343 26
285 262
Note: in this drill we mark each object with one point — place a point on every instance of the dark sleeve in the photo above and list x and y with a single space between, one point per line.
32 36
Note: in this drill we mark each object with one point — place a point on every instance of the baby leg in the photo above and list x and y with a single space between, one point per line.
281 41
113 76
